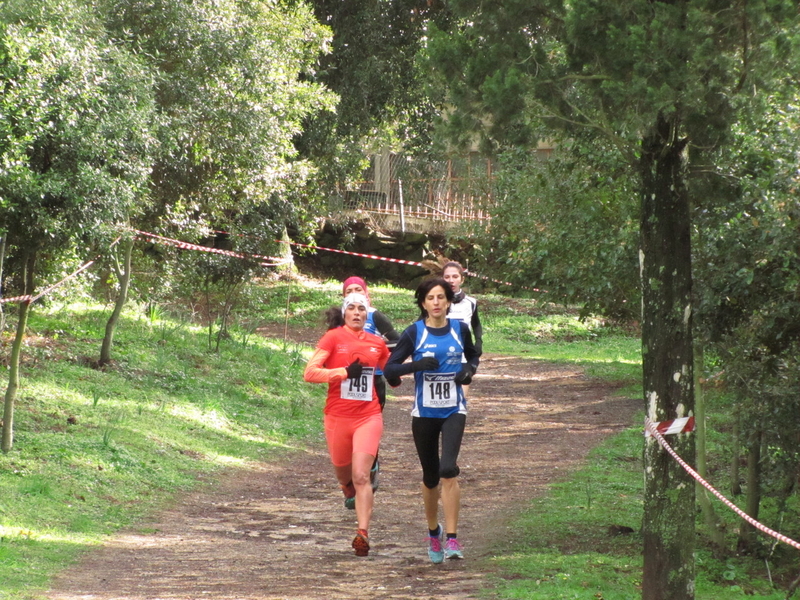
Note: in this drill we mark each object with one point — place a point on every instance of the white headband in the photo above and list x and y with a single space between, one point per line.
354 299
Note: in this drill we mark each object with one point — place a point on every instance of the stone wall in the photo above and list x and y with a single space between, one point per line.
358 237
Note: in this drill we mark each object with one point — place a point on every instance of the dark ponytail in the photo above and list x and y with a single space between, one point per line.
334 317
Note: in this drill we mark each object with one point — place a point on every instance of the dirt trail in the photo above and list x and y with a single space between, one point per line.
281 531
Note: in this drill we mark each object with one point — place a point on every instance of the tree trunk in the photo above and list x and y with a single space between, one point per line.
16 349
666 273
124 278
2 262
286 253
710 517
736 485
746 543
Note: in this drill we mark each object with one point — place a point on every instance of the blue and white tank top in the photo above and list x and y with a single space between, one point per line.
437 394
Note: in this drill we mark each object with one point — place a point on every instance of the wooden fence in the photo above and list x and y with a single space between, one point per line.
410 190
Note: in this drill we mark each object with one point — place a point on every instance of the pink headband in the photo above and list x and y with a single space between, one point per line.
351 281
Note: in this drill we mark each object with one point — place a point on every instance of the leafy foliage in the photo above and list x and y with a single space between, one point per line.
76 141
748 271
230 98
568 225
384 98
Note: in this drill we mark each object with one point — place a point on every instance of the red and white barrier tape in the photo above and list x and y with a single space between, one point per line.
404 262
651 427
16 299
275 261
393 260
156 238
47 290
187 246
374 256
525 287
680 425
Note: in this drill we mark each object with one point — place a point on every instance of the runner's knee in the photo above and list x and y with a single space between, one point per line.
430 480
449 472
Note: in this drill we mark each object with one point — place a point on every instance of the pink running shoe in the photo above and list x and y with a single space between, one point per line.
453 549
435 552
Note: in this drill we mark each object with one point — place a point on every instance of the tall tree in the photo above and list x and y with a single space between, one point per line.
663 81
384 100
232 91
76 114
122 269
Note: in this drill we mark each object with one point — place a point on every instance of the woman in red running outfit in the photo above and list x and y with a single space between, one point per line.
346 358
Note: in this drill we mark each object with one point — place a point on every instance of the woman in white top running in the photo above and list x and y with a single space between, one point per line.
463 308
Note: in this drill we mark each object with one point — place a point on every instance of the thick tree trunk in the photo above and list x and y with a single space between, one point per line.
124 277
665 263
16 349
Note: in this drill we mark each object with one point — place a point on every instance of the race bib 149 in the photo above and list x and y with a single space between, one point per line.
359 388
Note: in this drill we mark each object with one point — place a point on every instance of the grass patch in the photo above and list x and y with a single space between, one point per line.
555 334
582 539
96 450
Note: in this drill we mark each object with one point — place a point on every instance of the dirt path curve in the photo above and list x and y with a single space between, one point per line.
281 531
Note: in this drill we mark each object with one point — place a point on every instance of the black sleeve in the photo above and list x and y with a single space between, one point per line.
385 328
403 349
470 351
477 330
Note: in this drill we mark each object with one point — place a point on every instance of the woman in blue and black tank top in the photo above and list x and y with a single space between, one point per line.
436 346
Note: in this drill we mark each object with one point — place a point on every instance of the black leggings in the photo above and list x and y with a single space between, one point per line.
426 432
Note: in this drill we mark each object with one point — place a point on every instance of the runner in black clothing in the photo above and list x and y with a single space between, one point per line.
443 360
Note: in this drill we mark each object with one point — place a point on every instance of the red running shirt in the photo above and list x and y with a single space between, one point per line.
335 351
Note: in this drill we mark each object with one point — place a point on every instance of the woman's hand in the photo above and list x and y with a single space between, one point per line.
354 369
464 376
426 363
